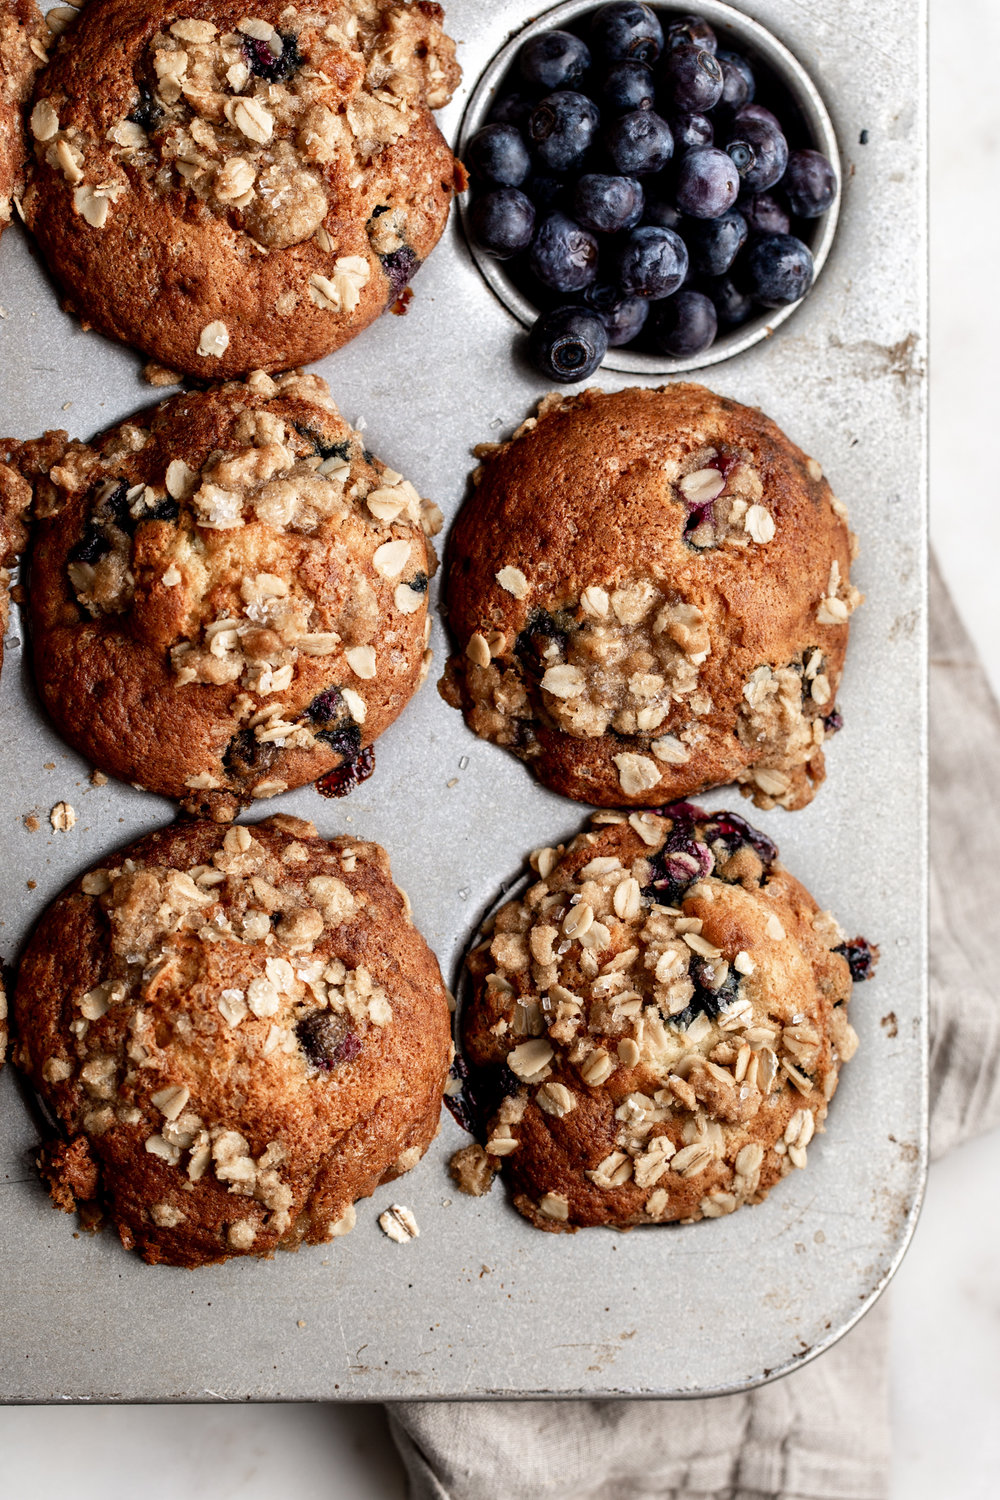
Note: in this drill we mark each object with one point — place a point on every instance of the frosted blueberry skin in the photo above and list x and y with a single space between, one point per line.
503 222
568 344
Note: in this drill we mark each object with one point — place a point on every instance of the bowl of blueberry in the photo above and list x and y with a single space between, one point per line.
650 189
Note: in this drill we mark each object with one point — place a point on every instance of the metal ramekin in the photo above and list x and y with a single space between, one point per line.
739 33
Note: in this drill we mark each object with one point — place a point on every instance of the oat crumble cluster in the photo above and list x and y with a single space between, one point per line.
649 594
656 1027
236 564
240 1033
274 175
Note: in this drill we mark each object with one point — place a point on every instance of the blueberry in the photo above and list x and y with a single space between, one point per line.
675 865
623 317
561 129
639 143
809 183
564 255
764 214
733 306
862 956
684 325
264 64
713 244
691 31
653 262
568 344
607 204
779 269
534 644
497 154
326 1039
345 742
663 214
512 109
91 546
626 31
758 112
547 192
707 183
400 266
326 706
738 82
692 130
166 510
733 832
503 222
246 756
554 60
342 780
628 86
759 150
692 79
833 723
147 112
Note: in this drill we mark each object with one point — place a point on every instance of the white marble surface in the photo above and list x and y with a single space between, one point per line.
946 1298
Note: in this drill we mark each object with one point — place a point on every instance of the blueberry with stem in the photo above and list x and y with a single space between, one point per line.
568 344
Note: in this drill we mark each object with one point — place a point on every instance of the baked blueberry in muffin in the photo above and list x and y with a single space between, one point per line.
23 36
239 1032
230 189
648 595
228 593
654 1030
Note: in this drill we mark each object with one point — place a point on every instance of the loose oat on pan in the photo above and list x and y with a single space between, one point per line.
228 592
241 189
240 1032
656 1027
649 594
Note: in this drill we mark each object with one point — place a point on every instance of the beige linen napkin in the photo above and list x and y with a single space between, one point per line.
822 1433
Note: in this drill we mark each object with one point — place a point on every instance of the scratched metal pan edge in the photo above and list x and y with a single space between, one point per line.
481 1304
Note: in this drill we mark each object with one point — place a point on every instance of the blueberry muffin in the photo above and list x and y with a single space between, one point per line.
229 189
23 35
15 498
649 595
228 593
656 1027
239 1032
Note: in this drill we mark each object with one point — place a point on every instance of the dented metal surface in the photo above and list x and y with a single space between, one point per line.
481 1304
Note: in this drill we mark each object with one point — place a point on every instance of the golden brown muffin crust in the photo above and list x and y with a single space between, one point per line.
656 1026
648 594
230 190
240 1032
228 593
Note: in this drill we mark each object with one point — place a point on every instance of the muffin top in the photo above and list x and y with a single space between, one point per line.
239 1032
228 593
648 594
230 190
23 35
656 1027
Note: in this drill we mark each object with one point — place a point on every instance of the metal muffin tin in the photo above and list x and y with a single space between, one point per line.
739 32
482 1304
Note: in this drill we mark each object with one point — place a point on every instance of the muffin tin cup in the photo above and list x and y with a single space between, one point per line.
740 33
